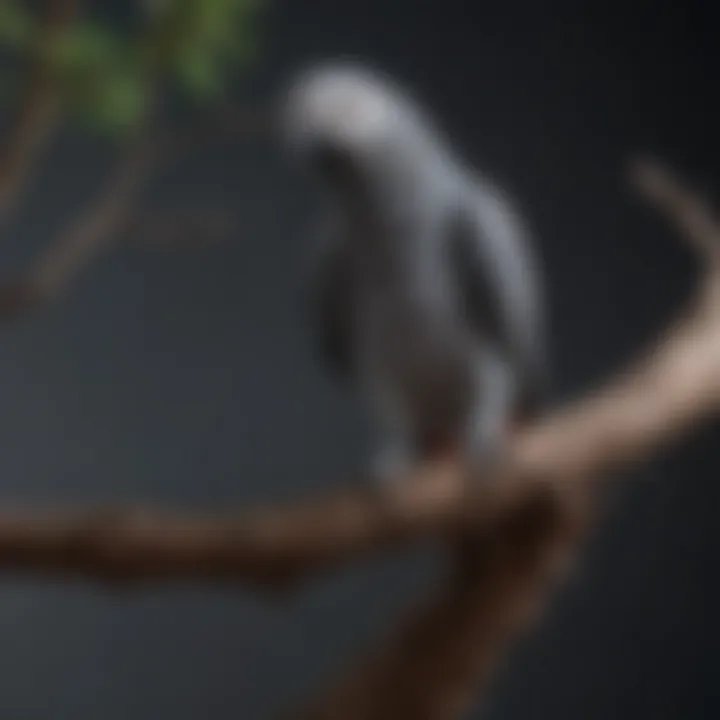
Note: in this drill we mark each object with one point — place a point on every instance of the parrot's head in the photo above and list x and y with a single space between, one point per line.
346 120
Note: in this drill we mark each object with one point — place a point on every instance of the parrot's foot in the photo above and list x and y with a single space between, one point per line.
390 467
487 457
486 447
486 436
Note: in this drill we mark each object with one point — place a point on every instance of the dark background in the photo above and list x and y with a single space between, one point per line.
187 379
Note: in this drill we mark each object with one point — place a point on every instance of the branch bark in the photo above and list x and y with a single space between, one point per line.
445 653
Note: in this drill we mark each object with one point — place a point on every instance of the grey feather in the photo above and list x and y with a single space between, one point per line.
331 308
501 285
426 293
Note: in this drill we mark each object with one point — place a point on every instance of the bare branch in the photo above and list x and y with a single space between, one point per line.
112 212
262 547
444 654
91 233
692 216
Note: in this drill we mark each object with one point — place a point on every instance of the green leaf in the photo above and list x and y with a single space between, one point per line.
113 102
84 47
199 74
121 103
218 29
108 76
16 25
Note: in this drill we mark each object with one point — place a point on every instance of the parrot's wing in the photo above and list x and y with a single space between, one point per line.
331 305
500 286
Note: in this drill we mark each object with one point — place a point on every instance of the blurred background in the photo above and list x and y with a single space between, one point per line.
155 349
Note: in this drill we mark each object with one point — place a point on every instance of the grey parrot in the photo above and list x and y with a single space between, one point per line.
426 293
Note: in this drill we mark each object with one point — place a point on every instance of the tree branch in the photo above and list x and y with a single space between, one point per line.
38 111
112 212
89 234
444 654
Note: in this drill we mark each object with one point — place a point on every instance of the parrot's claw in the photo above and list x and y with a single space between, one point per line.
389 467
486 452
488 458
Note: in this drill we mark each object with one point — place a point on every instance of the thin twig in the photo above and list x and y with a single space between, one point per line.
689 212
88 235
108 215
38 111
